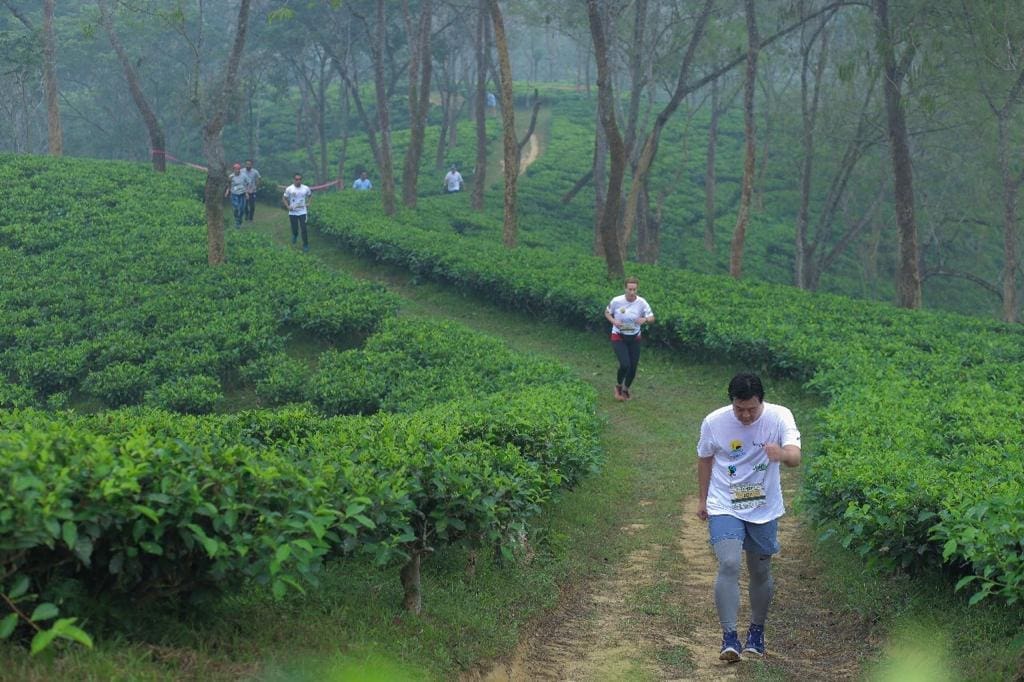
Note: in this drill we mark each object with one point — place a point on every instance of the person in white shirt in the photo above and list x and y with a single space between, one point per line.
626 313
296 199
740 450
252 177
362 183
453 181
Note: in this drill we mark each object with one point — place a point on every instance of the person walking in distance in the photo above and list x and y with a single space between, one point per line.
740 450
626 313
362 183
296 199
453 181
252 186
237 184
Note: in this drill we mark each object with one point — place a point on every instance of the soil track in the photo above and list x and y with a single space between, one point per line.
596 633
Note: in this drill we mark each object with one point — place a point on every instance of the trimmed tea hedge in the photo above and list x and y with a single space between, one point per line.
425 435
920 460
107 298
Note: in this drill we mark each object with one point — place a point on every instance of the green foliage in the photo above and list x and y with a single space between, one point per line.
191 395
107 296
171 501
923 427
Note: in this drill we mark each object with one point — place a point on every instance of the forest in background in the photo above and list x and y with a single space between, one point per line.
855 147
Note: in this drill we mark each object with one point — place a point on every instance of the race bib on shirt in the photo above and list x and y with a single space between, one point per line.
746 495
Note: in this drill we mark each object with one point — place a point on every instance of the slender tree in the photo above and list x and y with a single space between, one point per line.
508 124
213 146
908 278
750 138
616 147
378 46
157 141
56 133
420 70
481 53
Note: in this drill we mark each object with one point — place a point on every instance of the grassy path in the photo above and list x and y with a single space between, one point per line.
637 600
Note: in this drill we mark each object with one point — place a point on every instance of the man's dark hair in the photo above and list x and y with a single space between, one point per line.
745 386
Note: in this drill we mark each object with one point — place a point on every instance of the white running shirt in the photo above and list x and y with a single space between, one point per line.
626 314
744 483
297 198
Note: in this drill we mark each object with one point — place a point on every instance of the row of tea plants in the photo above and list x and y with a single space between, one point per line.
399 438
920 462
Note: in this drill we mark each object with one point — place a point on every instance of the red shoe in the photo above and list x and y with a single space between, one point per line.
619 393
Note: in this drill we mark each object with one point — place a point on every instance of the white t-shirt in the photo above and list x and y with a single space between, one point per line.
744 483
297 198
453 181
626 314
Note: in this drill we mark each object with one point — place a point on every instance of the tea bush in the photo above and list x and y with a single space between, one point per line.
920 460
164 498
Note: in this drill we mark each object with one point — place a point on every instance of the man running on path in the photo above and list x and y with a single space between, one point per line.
296 199
740 496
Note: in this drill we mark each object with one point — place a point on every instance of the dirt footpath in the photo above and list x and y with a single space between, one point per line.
610 630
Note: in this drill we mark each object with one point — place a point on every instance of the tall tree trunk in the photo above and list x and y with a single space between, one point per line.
616 147
420 71
740 234
480 108
809 97
600 176
321 117
213 146
710 176
56 134
344 107
648 235
636 66
508 125
442 137
650 148
908 278
1011 188
158 151
387 175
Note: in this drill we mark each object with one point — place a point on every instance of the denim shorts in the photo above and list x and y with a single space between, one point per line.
762 538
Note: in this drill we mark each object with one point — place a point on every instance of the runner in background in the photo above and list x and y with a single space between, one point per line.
296 199
626 313
453 181
252 177
740 496
237 184
362 183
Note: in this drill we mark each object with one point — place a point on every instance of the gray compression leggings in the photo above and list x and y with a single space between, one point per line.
727 583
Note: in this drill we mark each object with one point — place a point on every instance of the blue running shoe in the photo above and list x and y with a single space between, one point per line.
755 640
730 647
